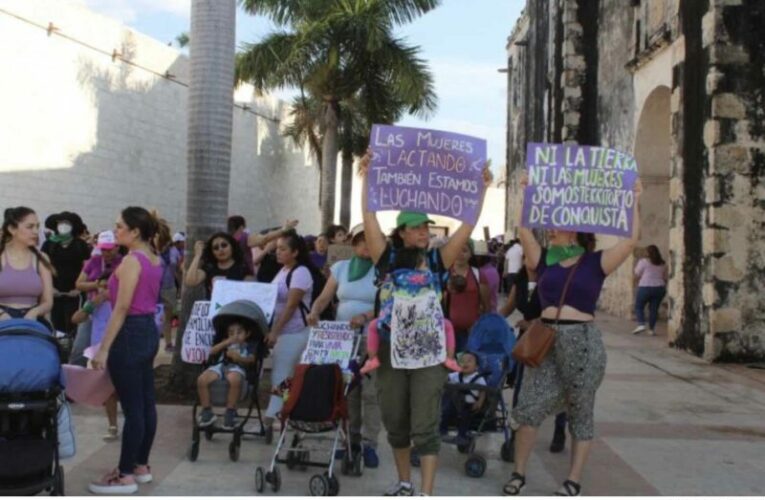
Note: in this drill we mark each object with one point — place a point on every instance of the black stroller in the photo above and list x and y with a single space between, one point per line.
240 310
30 385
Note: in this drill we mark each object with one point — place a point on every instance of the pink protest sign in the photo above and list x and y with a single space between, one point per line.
88 387
428 171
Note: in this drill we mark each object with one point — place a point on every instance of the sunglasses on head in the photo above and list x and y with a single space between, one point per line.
220 246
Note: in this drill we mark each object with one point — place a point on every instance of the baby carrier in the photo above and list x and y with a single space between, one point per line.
30 409
249 313
491 340
315 411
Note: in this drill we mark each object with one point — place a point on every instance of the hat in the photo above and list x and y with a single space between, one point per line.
78 227
412 219
356 230
179 237
480 248
106 240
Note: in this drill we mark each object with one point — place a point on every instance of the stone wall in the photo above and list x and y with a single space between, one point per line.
94 119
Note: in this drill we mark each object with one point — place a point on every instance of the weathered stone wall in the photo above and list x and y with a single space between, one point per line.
94 119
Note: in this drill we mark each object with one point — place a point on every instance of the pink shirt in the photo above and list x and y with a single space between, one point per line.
650 275
146 292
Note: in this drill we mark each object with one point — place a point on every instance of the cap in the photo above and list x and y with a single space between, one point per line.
412 219
356 230
106 240
178 237
480 248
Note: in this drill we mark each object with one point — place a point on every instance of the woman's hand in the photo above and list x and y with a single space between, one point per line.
271 338
358 321
31 314
290 224
99 362
312 319
488 177
364 163
199 248
523 181
638 188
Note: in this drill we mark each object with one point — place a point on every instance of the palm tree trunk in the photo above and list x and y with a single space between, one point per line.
346 188
329 164
211 101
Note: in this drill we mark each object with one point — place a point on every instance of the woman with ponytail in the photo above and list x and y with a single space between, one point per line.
129 346
26 276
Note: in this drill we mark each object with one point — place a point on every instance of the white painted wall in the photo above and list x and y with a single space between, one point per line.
83 132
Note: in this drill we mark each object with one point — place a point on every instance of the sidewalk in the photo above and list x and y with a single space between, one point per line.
667 423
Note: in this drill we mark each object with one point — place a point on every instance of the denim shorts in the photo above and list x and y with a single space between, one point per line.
222 369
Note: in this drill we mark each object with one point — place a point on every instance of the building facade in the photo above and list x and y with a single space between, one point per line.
680 84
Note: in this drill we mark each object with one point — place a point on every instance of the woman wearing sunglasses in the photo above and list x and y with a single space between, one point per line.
219 258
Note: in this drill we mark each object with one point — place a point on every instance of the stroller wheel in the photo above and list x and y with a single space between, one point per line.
414 458
194 451
318 486
233 451
260 480
508 451
276 479
334 485
475 466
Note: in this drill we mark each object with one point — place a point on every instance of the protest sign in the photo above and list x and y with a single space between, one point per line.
579 188
198 335
227 291
330 342
426 171
336 253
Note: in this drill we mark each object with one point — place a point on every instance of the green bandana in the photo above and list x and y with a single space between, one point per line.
62 238
358 268
559 253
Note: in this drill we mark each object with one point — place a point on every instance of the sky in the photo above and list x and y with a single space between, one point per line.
463 41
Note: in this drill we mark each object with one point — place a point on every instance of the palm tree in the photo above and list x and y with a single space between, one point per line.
328 50
211 101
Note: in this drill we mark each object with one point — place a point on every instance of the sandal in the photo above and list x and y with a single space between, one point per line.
515 485
569 489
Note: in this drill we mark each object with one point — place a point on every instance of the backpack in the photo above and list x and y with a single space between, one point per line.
316 394
319 281
447 297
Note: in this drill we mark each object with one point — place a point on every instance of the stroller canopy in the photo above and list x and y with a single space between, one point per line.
492 339
240 310
29 357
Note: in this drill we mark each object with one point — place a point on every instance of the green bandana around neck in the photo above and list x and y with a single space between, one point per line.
62 238
358 268
559 253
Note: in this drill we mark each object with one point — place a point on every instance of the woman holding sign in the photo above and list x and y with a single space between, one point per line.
410 399
570 278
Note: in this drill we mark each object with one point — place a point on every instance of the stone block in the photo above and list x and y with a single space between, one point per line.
726 320
715 240
572 119
727 54
711 133
675 188
727 216
727 105
729 158
574 62
712 190
709 28
714 77
725 269
709 294
676 100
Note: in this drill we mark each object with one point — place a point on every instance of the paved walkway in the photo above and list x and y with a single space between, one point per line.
667 424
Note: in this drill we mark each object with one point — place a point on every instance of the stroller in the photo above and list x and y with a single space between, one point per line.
316 405
492 341
30 385
240 310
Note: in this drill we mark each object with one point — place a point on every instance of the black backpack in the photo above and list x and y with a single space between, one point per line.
319 281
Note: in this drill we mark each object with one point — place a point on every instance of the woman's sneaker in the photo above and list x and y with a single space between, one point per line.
114 484
400 489
142 474
371 460
206 417
638 330
112 434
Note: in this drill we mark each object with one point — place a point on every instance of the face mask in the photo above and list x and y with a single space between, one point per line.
64 229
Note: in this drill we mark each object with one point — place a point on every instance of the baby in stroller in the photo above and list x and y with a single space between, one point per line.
469 403
234 354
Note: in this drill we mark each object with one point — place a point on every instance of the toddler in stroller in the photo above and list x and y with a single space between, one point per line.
490 346
232 374
30 405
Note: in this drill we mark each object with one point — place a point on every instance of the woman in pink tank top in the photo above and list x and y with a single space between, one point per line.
26 276
128 349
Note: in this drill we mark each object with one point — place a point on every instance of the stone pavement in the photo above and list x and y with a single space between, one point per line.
667 423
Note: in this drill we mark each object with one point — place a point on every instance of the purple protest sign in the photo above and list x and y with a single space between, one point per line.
579 188
427 171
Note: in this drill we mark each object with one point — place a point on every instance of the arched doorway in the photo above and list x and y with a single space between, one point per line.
653 150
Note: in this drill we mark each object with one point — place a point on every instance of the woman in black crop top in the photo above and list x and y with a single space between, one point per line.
573 370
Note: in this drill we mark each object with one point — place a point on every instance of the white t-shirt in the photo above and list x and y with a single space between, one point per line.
514 259
473 378
301 279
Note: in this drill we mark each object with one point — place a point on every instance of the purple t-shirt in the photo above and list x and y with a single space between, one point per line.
146 291
302 280
96 266
170 259
489 271
318 260
586 284
650 274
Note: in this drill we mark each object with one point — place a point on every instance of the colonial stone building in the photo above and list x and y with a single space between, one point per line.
681 85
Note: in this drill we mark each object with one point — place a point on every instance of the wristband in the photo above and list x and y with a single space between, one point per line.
89 307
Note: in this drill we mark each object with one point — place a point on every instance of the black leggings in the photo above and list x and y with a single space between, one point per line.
19 313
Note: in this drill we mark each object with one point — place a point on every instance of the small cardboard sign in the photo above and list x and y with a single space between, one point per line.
329 343
198 335
336 253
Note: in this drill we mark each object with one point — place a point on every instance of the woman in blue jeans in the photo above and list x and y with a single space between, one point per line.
651 275
128 349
